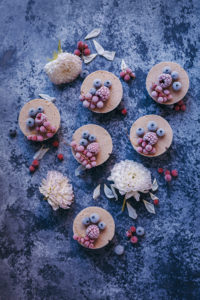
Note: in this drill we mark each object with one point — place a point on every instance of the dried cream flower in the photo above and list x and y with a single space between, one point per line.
129 176
57 190
65 68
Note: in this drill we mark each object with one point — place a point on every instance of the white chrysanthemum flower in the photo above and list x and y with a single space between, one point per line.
129 176
65 68
57 190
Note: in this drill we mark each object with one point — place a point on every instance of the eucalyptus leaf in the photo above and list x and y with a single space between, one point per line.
154 186
40 153
109 55
131 211
108 192
153 197
47 97
114 192
89 58
123 65
149 206
94 33
79 170
96 192
99 48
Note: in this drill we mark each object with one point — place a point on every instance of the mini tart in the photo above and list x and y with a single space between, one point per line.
116 91
50 111
106 235
163 143
103 138
183 78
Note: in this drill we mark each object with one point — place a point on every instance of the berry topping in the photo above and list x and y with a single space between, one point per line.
174 173
40 109
160 132
151 137
35 163
140 231
124 111
30 122
97 83
119 249
85 134
108 83
32 112
140 131
152 126
134 240
12 132
60 156
31 169
94 218
93 148
176 86
155 201
102 225
175 75
93 91
160 170
92 138
167 70
84 74
86 221
165 80
103 93
168 177
83 142
93 232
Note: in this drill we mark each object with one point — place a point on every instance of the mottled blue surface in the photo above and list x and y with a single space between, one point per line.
39 259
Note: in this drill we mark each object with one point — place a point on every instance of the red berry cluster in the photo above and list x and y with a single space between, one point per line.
43 127
180 106
127 74
34 165
82 49
160 94
131 233
168 174
85 241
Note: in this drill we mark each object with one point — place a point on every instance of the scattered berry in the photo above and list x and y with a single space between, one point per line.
132 229
35 163
177 108
31 169
12 132
174 173
156 201
128 233
167 172
124 111
140 231
119 249
55 144
77 52
134 239
183 107
60 156
127 77
86 51
80 45
84 74
168 177
122 74
160 170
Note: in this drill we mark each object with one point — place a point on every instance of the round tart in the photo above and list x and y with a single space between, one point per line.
94 227
115 91
100 145
177 74
155 132
47 112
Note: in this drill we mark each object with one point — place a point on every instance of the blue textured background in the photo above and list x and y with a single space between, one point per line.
39 259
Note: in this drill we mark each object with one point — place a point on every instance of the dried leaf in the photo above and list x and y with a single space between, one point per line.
149 206
94 33
123 65
114 192
131 211
99 48
47 97
108 192
40 153
153 197
89 58
136 195
79 170
109 55
154 186
96 192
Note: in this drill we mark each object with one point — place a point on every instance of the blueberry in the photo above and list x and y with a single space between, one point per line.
175 75
119 249
140 231
83 142
12 132
93 91
102 225
40 109
140 131
94 218
176 86
108 83
167 70
160 132
97 83
84 74
86 221
152 126
30 122
85 134
92 138
32 112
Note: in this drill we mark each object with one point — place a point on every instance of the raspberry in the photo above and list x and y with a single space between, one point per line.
174 173
156 201
80 45
35 163
122 74
31 169
124 112
183 107
160 170
132 229
168 177
86 52
176 107
128 234
77 52
55 144
60 156
167 172
134 239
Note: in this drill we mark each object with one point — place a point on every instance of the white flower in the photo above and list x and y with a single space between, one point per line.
129 176
65 68
57 190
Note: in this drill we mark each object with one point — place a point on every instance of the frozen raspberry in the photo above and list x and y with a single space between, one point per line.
31 169
55 144
93 147
160 170
93 232
151 137
156 201
183 107
127 77
124 112
174 173
132 229
60 156
168 177
103 93
86 52
165 80
158 88
35 163
167 172
134 239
